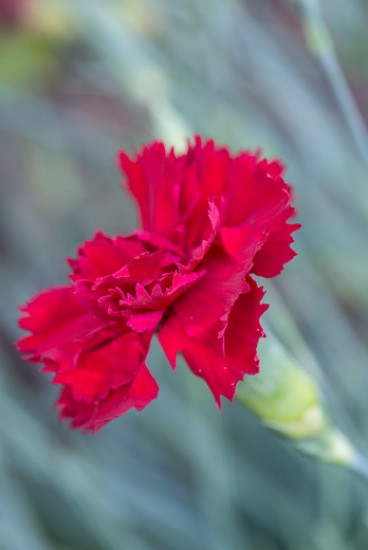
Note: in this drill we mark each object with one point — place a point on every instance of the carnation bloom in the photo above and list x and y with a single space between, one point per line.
209 223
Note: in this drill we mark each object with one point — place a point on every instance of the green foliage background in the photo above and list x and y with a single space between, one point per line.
80 79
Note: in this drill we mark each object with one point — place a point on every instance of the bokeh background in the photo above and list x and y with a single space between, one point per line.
80 79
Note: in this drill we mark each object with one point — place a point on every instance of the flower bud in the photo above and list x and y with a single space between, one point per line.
287 399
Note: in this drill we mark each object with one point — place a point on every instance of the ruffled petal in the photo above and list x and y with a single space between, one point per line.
220 367
93 416
104 255
253 194
99 365
55 319
276 250
99 370
173 192
243 242
131 284
204 361
243 332
142 321
207 166
153 178
203 310
257 196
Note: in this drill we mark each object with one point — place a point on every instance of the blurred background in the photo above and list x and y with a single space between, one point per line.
81 79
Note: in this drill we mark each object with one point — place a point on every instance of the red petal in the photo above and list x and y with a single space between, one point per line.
173 192
107 367
221 371
136 184
257 195
212 165
168 289
244 330
142 321
253 195
154 179
276 251
104 255
204 361
204 308
88 416
206 186
242 242
55 318
209 233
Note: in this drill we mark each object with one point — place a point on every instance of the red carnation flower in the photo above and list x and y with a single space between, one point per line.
210 222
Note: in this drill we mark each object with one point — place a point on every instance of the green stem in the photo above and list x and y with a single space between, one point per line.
321 45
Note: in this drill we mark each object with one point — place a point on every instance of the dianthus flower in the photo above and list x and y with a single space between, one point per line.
209 223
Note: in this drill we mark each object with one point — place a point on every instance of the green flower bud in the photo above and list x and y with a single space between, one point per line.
287 399
283 395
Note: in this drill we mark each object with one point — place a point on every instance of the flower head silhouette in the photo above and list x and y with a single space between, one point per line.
210 221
